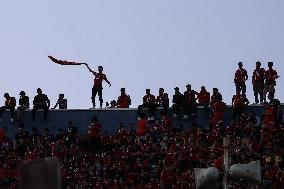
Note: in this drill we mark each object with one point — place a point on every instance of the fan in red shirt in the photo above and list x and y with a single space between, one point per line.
162 100
148 102
203 97
214 96
238 103
258 82
98 88
10 104
240 78
218 111
94 134
270 81
124 100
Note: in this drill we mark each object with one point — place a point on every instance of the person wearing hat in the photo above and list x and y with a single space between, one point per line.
62 102
240 78
148 102
178 101
258 82
270 81
162 100
40 101
10 104
24 104
124 100
189 101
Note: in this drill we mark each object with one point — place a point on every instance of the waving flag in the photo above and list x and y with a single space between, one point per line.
64 62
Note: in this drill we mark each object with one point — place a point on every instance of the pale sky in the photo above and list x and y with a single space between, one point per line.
141 44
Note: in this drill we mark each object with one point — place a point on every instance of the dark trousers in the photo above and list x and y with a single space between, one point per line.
97 90
152 108
241 87
237 112
12 111
188 109
38 107
258 91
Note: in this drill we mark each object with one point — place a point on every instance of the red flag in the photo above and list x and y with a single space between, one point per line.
63 62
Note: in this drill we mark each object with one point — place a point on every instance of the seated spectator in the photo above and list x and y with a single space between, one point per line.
124 100
203 97
238 103
40 101
218 111
62 102
178 101
21 140
162 100
24 104
189 101
148 102
214 96
10 104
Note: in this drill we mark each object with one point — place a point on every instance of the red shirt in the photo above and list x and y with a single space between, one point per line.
99 79
270 76
94 130
124 101
258 75
142 127
203 97
238 100
162 100
10 102
240 76
149 99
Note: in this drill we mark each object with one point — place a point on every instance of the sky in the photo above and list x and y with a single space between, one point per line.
140 44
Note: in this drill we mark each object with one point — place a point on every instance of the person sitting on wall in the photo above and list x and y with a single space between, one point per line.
238 103
61 102
178 100
189 101
124 100
162 100
203 97
10 104
24 104
40 101
148 102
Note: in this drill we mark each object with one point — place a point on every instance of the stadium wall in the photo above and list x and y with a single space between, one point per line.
109 118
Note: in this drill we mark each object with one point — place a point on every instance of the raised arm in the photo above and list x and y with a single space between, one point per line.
90 70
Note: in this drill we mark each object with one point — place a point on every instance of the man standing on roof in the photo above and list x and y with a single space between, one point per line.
240 78
258 82
98 88
270 81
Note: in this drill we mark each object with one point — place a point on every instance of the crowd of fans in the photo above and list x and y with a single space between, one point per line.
157 153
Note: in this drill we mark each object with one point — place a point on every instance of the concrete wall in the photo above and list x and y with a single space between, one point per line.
108 117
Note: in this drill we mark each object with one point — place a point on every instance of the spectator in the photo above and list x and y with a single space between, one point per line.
21 140
124 100
238 103
10 104
24 104
94 134
98 88
178 101
214 96
189 101
148 102
40 101
62 102
203 97
258 82
270 81
218 111
162 100
240 78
